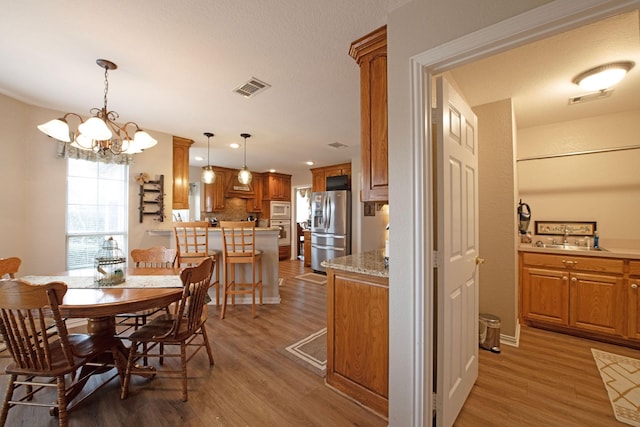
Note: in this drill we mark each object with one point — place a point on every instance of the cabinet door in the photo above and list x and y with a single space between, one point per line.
181 172
633 299
597 303
318 181
213 194
255 204
545 295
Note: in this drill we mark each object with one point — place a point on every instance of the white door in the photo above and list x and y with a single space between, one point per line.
457 247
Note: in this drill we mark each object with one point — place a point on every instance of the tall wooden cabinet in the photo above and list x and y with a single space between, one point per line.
370 52
213 195
276 186
181 172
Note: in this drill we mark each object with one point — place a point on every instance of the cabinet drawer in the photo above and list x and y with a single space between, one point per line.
601 265
634 268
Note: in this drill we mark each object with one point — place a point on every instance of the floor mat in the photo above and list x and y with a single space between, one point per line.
311 352
316 278
621 377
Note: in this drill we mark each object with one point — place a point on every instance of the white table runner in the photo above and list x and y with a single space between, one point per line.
86 282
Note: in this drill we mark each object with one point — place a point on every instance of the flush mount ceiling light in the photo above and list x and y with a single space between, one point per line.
208 174
101 133
244 176
603 76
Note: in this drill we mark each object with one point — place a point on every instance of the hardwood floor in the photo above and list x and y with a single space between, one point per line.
251 384
550 380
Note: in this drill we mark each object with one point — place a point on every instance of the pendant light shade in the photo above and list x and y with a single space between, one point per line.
244 176
208 174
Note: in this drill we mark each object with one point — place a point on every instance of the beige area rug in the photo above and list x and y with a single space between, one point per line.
621 377
316 278
310 352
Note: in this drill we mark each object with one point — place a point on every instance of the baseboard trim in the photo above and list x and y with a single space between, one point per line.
513 341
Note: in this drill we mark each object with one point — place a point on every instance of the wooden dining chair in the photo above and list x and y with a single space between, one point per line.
180 328
192 243
9 267
156 257
44 354
239 248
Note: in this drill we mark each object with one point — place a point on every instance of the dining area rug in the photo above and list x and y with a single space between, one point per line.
621 378
316 278
310 352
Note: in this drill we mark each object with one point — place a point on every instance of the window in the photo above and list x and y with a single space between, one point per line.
97 208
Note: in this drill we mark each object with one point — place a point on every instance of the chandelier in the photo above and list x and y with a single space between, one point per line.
208 174
244 176
100 133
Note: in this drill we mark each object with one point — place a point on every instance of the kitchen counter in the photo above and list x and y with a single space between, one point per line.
370 263
609 252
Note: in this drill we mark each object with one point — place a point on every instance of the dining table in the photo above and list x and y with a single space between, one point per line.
143 288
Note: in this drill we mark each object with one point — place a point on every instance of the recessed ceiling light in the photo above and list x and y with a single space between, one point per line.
310 163
199 158
234 145
603 76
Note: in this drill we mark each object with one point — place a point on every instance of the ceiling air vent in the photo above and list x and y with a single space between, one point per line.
590 96
338 145
251 88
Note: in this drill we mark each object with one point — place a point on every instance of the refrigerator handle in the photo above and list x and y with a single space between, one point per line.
329 213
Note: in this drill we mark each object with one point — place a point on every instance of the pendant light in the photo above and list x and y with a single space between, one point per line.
244 176
208 174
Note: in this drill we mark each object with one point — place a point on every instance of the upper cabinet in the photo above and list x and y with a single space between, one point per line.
277 186
212 195
254 204
319 175
181 172
370 52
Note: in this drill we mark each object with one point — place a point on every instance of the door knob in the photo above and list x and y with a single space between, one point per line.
479 260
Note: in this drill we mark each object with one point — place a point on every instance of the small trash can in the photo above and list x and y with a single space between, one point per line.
489 328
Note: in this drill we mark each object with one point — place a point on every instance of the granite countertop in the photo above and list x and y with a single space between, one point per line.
370 263
608 252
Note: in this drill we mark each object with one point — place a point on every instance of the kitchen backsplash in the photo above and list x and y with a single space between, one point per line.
235 209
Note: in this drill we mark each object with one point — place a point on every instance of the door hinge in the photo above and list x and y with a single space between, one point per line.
435 259
434 401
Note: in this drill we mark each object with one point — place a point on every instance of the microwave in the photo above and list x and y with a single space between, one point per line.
280 210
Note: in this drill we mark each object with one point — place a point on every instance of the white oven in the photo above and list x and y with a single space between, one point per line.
280 210
284 231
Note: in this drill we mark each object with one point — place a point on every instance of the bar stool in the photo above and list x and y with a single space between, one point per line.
238 248
192 242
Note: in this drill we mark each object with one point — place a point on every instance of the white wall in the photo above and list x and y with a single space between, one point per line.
33 215
603 187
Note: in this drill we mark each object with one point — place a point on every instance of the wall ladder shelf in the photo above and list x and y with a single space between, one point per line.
152 199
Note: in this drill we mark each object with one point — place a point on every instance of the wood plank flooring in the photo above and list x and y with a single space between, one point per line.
550 380
251 384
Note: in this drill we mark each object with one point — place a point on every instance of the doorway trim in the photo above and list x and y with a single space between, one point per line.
536 24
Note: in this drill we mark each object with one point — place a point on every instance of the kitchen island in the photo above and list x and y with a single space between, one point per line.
266 241
358 328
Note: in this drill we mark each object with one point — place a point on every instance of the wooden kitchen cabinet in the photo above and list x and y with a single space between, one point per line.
370 52
213 195
277 186
307 248
358 337
254 205
319 175
633 298
181 172
578 293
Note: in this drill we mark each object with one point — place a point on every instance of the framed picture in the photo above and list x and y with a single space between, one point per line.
572 228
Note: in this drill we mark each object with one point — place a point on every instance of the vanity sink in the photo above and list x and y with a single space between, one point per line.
569 247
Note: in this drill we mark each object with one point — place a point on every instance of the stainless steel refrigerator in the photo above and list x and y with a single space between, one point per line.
330 226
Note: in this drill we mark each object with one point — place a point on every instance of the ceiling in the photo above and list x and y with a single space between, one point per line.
538 77
179 63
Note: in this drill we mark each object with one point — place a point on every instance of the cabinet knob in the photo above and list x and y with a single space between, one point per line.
573 279
568 262
634 286
565 278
